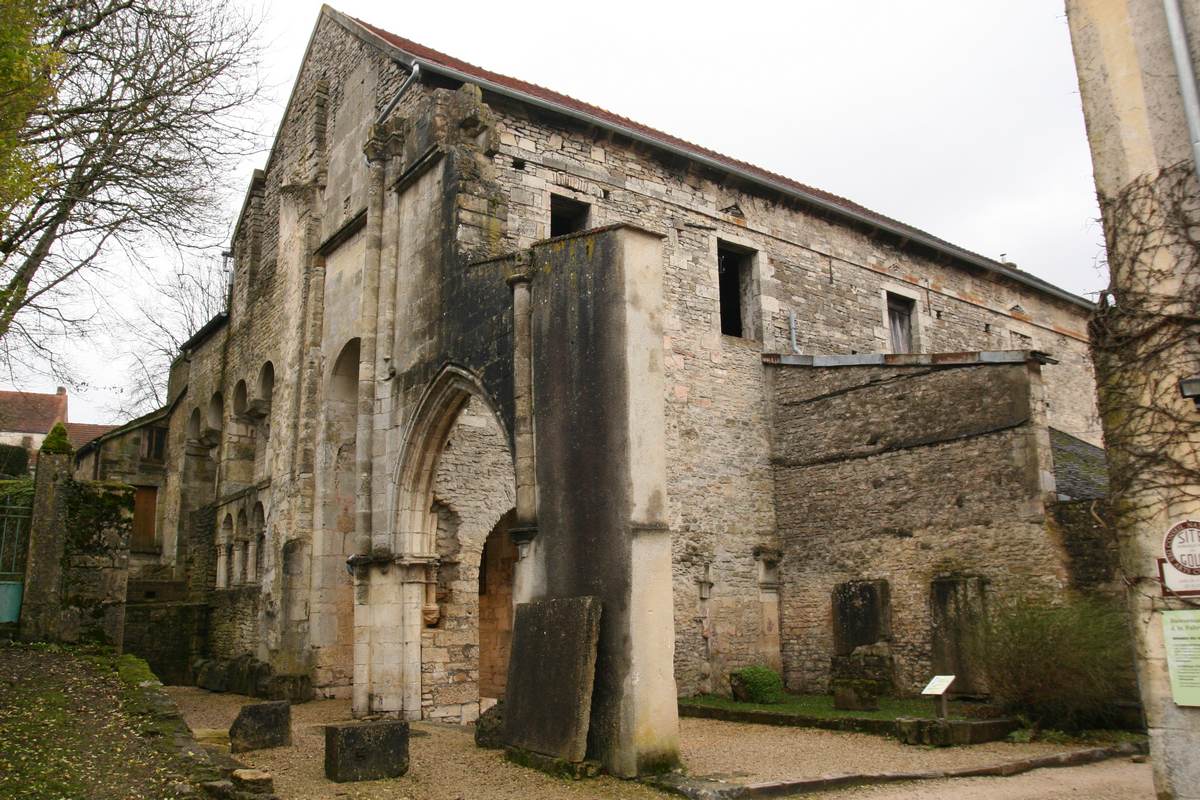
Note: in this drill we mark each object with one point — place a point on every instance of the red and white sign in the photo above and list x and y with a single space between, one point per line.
1179 567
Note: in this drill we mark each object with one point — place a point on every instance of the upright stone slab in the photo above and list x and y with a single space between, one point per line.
550 676
366 751
261 725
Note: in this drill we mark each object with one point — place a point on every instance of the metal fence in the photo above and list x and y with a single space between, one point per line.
14 545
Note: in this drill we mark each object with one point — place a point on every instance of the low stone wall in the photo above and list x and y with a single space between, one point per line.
78 562
168 636
251 677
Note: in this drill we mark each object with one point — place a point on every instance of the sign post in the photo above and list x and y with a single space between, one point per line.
937 688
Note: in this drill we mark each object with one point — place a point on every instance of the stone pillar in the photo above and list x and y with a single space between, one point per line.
368 335
1143 339
41 606
599 396
222 564
527 578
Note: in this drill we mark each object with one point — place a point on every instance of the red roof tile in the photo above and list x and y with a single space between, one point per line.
429 55
32 412
80 433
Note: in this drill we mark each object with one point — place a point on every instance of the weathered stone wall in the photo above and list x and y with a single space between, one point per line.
829 277
233 627
909 475
169 636
78 559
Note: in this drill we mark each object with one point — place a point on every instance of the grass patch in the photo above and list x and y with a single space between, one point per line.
67 729
821 706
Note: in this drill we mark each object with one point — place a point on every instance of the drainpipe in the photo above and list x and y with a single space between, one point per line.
1187 76
413 77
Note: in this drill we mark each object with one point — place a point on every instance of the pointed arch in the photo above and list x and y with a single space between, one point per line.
415 528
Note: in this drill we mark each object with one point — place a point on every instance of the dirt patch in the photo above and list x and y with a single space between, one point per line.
70 728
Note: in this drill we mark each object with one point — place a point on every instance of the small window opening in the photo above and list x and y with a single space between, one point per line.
567 216
156 444
900 317
519 164
733 274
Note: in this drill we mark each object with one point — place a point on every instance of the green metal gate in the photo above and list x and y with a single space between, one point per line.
14 545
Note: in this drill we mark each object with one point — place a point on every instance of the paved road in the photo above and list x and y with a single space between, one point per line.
1118 779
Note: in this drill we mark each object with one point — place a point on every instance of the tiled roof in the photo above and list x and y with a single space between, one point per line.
1080 470
566 102
31 412
80 433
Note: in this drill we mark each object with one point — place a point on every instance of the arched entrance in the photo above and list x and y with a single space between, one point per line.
418 588
496 565
474 491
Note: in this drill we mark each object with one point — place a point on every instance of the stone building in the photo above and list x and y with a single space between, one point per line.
487 344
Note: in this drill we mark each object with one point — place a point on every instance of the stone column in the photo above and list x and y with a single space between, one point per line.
1143 340
527 583
222 564
368 335
252 561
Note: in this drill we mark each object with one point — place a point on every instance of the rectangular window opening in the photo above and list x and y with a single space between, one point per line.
567 216
734 274
900 321
156 444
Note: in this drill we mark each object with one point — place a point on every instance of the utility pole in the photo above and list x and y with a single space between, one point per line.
1137 80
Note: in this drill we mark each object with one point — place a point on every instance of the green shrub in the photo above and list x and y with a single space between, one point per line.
757 685
1058 666
14 460
56 441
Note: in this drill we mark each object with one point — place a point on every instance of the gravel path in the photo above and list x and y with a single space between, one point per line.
754 753
446 765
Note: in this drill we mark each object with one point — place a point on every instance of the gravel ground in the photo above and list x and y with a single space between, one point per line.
754 753
1118 779
446 765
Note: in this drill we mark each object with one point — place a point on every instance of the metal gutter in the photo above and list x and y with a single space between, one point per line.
1177 32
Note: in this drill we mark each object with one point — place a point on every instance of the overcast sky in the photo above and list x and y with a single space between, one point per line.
961 117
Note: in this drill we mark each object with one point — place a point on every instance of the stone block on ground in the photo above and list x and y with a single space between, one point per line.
261 725
366 751
550 677
255 781
489 728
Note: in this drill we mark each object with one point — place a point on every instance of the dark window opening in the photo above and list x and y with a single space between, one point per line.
900 319
567 216
519 164
733 274
156 444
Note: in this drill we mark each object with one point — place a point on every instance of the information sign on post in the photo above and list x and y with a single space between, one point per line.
937 688
1181 634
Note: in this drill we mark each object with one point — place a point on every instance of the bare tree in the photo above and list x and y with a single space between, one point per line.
140 138
177 306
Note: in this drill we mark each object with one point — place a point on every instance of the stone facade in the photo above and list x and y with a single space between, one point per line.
415 397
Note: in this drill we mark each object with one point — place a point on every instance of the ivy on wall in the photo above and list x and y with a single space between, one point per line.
99 516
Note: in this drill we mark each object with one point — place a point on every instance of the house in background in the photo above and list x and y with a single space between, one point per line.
26 418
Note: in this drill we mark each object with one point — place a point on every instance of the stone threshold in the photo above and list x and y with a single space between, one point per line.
700 788
910 730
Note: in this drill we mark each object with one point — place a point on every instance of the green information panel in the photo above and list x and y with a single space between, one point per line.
1181 630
